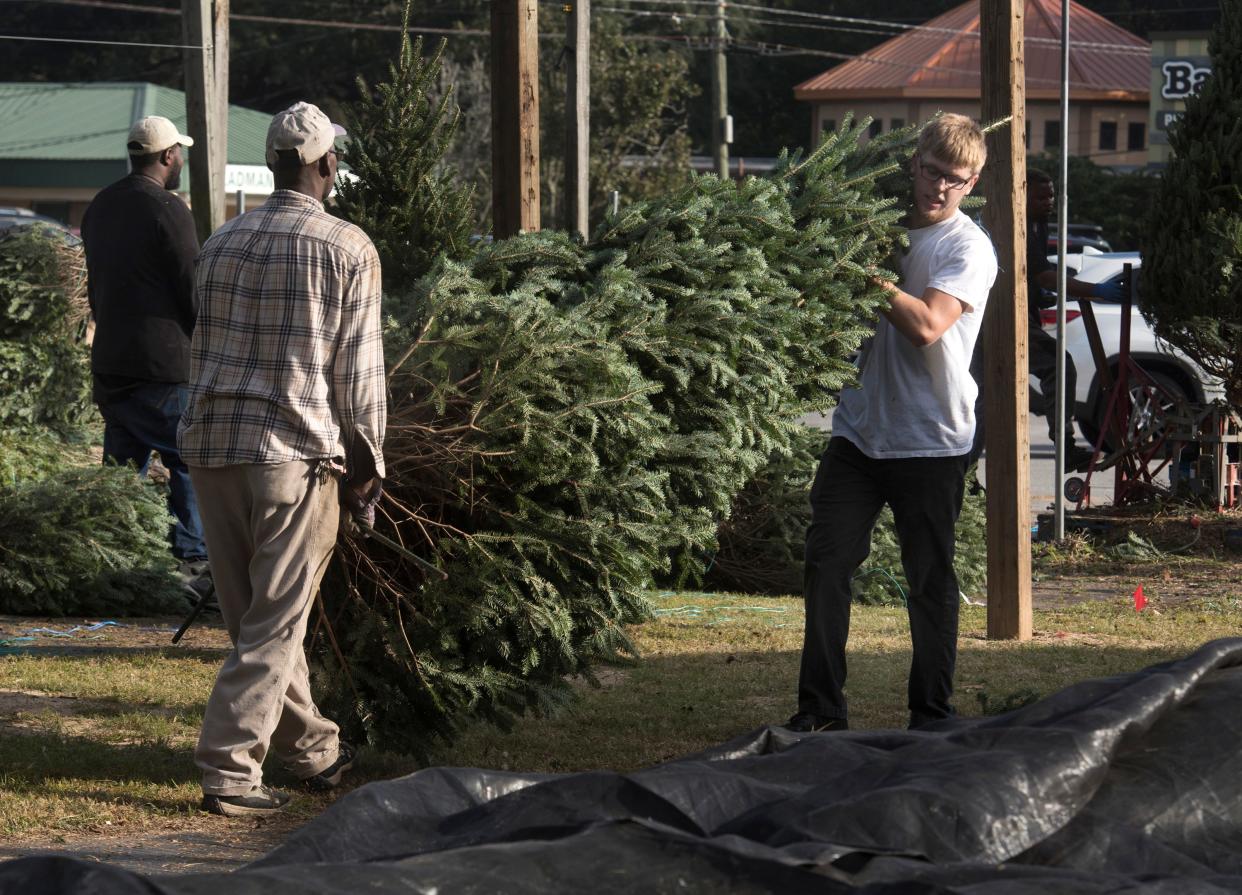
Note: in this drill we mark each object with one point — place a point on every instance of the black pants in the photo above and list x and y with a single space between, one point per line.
1041 351
925 495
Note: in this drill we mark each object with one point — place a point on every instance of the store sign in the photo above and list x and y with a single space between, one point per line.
254 180
1182 78
1166 117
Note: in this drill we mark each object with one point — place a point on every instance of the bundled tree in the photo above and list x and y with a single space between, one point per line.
86 540
760 544
568 421
44 365
1192 250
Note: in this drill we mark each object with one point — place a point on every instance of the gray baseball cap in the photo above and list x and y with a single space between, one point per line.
303 128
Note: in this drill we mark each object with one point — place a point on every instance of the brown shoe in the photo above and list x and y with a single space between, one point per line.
260 800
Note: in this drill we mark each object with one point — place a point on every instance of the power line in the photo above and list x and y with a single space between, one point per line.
769 48
891 24
106 43
270 20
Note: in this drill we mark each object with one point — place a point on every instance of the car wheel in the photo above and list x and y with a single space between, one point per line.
1150 407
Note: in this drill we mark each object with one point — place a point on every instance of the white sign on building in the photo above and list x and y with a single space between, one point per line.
253 180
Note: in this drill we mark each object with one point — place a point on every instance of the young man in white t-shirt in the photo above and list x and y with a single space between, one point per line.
902 438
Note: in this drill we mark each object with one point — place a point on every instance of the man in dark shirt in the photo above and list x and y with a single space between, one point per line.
1041 278
140 248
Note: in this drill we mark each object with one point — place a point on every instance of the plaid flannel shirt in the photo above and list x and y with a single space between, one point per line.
286 360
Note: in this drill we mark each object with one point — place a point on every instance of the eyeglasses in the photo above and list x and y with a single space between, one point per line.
932 174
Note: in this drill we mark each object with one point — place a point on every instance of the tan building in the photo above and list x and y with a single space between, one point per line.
935 67
62 143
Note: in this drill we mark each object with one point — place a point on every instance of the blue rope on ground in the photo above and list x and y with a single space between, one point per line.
698 612
69 632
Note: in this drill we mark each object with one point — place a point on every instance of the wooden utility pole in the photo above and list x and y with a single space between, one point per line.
1004 335
205 23
721 138
578 115
515 116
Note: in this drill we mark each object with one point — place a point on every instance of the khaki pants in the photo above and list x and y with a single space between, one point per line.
270 529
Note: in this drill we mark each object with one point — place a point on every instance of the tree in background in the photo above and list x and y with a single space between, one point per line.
640 96
640 100
1192 246
469 157
1118 202
273 64
398 191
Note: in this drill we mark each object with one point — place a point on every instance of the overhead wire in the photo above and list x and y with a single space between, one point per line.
106 43
889 24
268 20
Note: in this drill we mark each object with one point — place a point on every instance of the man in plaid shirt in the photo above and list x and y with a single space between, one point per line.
287 391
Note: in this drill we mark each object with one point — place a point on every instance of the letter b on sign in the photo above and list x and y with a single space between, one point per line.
1182 78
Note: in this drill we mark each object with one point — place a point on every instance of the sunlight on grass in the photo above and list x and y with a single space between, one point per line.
118 751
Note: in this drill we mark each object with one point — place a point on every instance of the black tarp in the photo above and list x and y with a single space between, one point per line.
1125 784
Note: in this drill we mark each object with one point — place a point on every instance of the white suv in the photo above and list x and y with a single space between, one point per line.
1174 372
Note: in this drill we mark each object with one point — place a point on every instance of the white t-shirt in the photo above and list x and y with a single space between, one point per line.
919 401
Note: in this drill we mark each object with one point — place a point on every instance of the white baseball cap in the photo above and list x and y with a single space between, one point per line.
154 134
303 128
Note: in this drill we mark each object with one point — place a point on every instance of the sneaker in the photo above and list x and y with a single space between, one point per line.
330 777
260 800
806 722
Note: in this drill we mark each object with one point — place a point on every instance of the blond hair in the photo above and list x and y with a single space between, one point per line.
954 139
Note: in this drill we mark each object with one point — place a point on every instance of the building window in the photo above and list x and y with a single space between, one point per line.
1136 136
896 124
828 124
1052 135
1108 135
876 127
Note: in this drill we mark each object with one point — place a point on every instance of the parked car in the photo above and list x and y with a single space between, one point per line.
1079 237
1177 375
24 217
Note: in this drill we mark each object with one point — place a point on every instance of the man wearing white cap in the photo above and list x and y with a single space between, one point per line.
140 248
287 395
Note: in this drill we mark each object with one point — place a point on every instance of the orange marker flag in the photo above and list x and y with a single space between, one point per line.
1140 601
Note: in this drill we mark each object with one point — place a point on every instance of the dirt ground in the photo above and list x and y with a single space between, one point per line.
1078 571
183 845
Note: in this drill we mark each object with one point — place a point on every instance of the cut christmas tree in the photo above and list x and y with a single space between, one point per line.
571 421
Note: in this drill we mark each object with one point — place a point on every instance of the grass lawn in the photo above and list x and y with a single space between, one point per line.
100 740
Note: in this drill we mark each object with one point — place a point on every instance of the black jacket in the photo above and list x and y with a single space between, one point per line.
1036 263
140 248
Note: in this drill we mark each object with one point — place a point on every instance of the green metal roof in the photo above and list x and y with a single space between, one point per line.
88 122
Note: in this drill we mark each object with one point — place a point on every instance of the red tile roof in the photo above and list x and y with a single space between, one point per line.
941 59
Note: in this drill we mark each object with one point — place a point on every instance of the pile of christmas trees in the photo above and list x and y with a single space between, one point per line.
75 537
44 369
570 421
